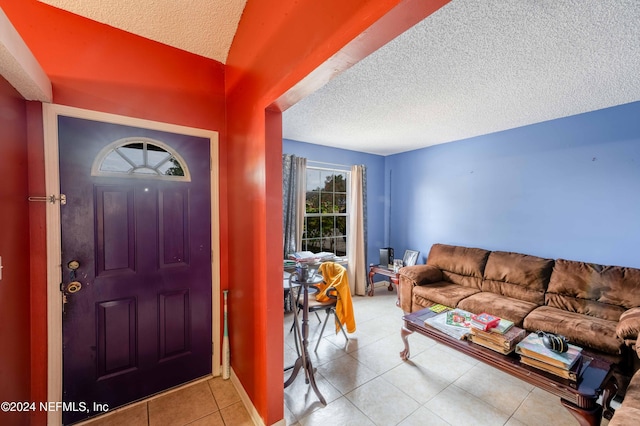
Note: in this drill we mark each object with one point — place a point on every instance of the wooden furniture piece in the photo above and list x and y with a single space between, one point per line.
382 270
579 398
302 335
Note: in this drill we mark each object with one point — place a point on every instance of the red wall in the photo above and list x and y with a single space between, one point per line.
96 67
14 249
276 46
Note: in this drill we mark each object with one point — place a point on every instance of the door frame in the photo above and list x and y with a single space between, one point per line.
50 114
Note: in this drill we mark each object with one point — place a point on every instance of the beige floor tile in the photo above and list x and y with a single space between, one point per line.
416 381
438 362
301 399
136 415
457 406
382 402
223 391
339 412
183 406
543 409
386 355
236 415
214 419
494 387
423 417
346 373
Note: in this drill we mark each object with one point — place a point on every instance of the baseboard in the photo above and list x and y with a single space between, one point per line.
251 409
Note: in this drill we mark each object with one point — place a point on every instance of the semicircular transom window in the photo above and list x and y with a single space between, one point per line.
140 158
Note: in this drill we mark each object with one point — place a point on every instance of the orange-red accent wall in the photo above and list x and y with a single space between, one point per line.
14 249
282 51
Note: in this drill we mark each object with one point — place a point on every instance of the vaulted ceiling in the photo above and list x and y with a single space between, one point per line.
469 69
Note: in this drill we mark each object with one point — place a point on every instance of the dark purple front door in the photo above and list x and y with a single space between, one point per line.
141 321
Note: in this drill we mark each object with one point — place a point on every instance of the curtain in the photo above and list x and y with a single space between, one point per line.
356 238
293 202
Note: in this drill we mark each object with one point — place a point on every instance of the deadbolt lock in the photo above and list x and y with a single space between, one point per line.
74 287
73 265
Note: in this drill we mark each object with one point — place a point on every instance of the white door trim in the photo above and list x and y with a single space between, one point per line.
50 114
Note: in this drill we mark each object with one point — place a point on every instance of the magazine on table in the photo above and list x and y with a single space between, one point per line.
451 323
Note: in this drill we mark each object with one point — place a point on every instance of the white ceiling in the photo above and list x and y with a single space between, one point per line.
469 69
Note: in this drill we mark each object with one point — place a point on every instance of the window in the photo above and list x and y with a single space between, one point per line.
326 214
140 157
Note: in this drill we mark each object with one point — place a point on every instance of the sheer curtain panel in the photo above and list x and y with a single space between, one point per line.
356 236
293 201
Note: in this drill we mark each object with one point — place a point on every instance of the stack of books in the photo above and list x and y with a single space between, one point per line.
502 338
567 365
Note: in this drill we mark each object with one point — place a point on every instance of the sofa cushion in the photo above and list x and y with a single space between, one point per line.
595 290
579 329
518 276
629 412
445 293
502 306
629 324
459 265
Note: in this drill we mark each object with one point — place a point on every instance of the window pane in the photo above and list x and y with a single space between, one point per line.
313 202
314 245
341 225
340 182
133 152
171 168
341 203
327 202
115 163
154 157
313 180
327 181
313 227
328 226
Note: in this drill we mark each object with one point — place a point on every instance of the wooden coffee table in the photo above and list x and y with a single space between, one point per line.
579 398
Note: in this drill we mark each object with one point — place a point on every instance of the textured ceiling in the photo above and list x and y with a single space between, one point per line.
471 68
203 27
474 68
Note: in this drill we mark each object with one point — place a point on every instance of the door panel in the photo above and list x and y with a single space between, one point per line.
141 322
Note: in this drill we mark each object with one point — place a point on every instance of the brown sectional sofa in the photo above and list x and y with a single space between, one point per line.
593 306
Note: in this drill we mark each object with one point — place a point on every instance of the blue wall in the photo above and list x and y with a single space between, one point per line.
567 188
375 185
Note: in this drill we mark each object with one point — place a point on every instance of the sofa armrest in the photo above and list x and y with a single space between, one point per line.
411 276
628 326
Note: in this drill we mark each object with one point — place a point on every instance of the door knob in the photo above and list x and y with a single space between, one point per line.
73 287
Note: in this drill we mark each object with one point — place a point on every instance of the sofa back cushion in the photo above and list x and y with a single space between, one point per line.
519 276
586 288
459 265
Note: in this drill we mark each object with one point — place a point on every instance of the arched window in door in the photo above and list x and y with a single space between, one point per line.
140 157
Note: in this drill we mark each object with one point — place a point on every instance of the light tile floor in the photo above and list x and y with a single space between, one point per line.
213 402
366 383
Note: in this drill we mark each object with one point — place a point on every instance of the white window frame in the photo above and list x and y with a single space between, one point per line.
334 215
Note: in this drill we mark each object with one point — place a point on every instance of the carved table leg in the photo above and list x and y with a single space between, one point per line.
371 274
404 334
610 390
390 288
585 416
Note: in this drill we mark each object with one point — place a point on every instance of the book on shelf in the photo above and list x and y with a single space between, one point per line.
503 343
532 347
484 321
502 327
440 322
571 374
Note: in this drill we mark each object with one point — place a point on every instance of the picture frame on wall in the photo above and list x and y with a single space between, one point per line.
410 257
